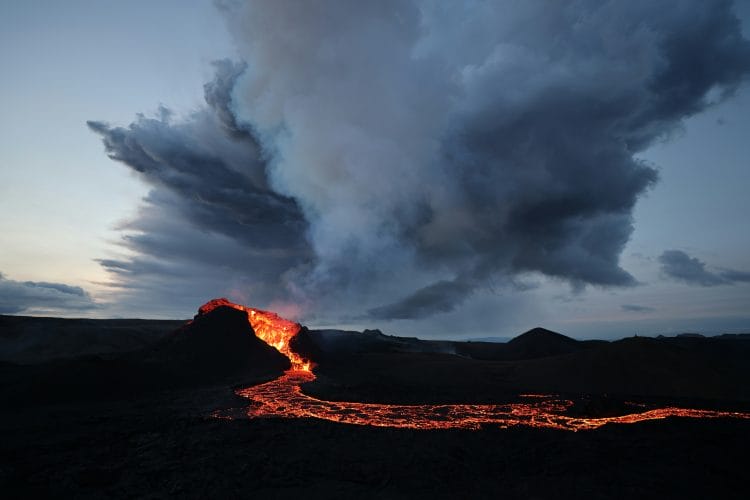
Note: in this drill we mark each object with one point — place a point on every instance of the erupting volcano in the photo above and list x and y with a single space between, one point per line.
284 398
269 327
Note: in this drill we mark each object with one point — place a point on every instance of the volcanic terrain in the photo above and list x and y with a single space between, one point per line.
241 402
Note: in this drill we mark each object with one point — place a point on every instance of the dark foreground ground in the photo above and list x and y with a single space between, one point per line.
169 446
139 424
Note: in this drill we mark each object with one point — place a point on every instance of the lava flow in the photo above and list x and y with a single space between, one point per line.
284 398
270 328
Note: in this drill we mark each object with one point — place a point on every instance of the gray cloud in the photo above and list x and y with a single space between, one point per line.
443 296
680 266
42 297
214 189
176 265
636 308
218 95
459 146
734 276
211 224
397 156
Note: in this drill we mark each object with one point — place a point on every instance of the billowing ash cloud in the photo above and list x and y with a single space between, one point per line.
211 224
396 156
42 297
442 296
678 265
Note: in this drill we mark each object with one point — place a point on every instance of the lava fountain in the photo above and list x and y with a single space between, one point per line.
284 398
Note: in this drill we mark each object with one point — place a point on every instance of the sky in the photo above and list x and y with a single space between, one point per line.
441 170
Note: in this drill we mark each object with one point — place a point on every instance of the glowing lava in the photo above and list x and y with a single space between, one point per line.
283 397
269 327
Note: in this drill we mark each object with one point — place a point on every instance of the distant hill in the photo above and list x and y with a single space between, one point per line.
540 343
535 343
218 347
678 367
500 340
745 336
540 334
30 339
539 361
331 342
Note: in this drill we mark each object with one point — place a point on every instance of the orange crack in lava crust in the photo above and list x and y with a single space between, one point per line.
284 398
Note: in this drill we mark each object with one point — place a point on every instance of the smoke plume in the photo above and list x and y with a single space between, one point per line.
394 157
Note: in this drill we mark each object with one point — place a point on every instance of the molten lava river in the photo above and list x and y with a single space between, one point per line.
284 398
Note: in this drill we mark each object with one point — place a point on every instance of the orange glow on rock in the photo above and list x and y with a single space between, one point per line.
269 327
284 398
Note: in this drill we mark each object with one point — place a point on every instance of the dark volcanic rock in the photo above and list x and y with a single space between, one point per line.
533 344
540 343
217 347
678 368
337 343
705 369
220 342
304 345
30 340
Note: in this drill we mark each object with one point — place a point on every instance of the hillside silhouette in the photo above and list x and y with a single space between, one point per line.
372 366
217 347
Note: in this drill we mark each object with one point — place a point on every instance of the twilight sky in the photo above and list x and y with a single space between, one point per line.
436 169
